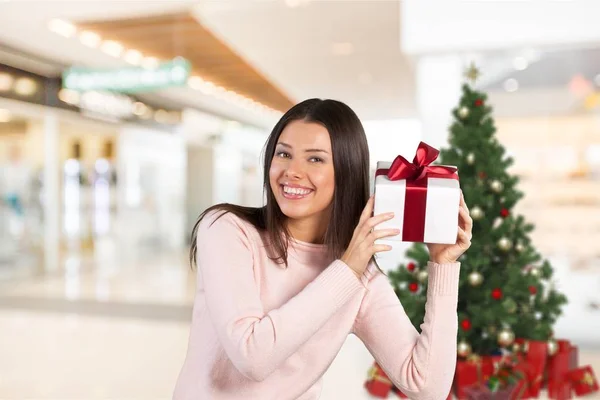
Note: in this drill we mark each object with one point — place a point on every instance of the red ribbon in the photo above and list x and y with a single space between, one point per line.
415 174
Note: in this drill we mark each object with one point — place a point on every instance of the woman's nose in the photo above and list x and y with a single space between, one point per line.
294 169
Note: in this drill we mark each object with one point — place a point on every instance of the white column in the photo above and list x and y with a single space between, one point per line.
439 80
51 192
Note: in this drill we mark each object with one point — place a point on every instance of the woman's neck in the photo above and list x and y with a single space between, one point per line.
307 230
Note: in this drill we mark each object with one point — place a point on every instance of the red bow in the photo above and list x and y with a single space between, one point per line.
420 167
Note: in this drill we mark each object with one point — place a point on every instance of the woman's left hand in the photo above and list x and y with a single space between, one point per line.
449 253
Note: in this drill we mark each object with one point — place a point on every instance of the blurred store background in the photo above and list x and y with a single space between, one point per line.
120 121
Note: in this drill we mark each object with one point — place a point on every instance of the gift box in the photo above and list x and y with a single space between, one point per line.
482 392
583 381
424 198
536 353
475 370
559 365
378 383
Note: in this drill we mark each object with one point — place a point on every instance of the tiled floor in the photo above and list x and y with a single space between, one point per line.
119 330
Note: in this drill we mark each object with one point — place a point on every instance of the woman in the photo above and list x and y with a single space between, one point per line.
281 287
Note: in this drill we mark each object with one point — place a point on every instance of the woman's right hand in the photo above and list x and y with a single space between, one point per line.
362 245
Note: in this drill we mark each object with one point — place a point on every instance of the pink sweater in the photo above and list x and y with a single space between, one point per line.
262 331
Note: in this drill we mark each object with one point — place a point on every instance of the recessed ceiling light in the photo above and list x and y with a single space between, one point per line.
25 86
69 96
150 62
6 81
62 27
139 108
133 57
112 48
511 85
90 39
520 63
342 49
5 115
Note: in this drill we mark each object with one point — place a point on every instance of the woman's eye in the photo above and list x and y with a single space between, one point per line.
316 159
282 154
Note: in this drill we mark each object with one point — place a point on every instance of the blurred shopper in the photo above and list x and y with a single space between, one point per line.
280 287
14 187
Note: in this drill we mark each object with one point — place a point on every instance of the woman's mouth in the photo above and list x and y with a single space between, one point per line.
295 193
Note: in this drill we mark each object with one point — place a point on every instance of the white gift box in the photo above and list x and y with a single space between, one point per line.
438 223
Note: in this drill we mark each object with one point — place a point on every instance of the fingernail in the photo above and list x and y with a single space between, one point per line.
390 215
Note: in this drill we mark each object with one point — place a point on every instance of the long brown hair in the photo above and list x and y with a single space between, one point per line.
351 171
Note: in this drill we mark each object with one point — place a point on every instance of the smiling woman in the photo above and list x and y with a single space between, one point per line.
281 287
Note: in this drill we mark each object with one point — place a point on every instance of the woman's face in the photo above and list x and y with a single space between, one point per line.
301 174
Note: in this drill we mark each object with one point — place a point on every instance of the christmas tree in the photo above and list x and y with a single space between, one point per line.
505 289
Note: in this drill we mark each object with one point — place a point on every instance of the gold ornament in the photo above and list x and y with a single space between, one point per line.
422 276
476 213
496 186
519 247
552 347
463 349
535 271
506 337
470 158
516 348
504 244
463 112
475 278
472 73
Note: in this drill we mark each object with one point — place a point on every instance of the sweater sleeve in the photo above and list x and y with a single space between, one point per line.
421 366
258 342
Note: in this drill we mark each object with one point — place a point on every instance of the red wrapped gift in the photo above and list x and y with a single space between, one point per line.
378 384
536 353
583 381
522 386
559 365
472 371
482 392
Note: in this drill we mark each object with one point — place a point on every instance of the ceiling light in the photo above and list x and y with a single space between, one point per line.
342 49
139 108
150 62
520 63
90 39
6 81
292 3
25 86
62 27
511 85
4 115
133 57
161 116
112 48
195 82
207 88
69 96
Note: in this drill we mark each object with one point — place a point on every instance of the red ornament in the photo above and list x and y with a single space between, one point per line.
413 287
466 324
411 266
478 103
482 175
497 294
505 213
532 289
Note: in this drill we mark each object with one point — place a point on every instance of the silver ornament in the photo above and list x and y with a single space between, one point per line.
497 222
504 244
402 285
496 186
538 315
471 159
463 349
463 112
476 213
475 278
422 276
484 334
506 337
552 347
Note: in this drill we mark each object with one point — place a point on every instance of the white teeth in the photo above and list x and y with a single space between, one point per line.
290 190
